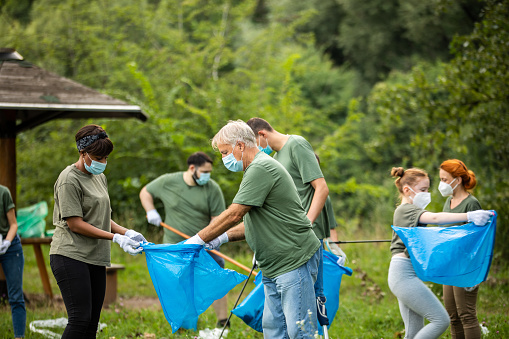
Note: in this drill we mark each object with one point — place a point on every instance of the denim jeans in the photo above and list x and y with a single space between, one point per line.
12 263
83 287
290 298
319 278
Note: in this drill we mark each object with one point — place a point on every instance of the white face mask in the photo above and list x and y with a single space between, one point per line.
446 189
421 199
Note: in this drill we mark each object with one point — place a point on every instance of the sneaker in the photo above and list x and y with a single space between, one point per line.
322 311
220 323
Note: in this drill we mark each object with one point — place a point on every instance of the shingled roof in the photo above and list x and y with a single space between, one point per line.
37 96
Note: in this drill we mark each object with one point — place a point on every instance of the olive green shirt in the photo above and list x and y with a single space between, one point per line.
329 217
6 204
298 158
81 195
189 209
470 203
406 215
276 227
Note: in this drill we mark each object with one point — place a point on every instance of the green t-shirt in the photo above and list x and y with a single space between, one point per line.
187 208
329 218
470 203
299 159
81 195
276 228
6 204
406 215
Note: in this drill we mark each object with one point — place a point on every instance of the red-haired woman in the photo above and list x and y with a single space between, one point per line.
455 182
416 300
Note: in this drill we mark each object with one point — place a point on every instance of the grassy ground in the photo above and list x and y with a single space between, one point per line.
367 307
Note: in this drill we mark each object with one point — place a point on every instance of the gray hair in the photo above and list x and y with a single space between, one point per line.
233 132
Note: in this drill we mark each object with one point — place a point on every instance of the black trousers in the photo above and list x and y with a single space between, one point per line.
83 287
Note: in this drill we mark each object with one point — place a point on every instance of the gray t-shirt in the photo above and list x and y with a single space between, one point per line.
81 195
276 228
406 215
6 204
470 203
298 158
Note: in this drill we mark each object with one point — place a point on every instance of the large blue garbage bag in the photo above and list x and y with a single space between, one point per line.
457 255
251 308
187 281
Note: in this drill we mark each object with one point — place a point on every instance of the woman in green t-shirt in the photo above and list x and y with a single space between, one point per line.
461 303
416 300
80 249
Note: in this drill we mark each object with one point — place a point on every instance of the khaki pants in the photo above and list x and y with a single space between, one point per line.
461 306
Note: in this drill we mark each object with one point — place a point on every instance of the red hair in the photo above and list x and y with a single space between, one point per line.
457 168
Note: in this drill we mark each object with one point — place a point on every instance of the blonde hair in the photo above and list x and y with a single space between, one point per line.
407 177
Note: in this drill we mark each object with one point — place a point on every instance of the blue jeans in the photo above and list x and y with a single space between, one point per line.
12 263
290 298
319 278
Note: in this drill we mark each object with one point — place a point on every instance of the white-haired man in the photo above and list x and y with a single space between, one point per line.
275 227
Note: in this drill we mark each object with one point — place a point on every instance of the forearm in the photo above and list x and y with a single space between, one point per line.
13 225
116 228
442 218
333 235
236 233
223 222
319 198
147 201
77 225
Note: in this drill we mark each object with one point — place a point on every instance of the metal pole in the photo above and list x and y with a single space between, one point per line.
236 302
359 241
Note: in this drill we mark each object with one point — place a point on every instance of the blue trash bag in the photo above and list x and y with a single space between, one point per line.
251 308
456 256
187 281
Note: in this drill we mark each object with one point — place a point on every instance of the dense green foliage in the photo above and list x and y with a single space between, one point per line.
307 67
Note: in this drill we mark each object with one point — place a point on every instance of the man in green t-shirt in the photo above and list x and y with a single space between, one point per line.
275 227
191 200
298 158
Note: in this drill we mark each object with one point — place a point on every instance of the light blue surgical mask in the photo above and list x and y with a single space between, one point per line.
233 164
267 150
95 167
203 179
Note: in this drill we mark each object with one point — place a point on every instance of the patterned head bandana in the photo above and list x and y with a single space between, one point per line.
89 140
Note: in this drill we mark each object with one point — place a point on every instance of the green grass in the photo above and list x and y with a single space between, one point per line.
367 307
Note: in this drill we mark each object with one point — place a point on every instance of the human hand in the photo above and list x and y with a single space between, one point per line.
154 218
127 244
4 246
480 217
195 239
214 244
136 236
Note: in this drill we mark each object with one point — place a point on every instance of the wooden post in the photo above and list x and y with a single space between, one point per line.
8 151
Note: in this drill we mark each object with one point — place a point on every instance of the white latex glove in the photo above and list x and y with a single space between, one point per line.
136 236
480 217
4 246
214 244
195 239
154 218
128 245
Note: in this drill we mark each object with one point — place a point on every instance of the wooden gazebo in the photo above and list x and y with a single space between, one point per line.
31 96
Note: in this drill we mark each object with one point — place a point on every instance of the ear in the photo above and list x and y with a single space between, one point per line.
191 168
242 146
262 133
460 181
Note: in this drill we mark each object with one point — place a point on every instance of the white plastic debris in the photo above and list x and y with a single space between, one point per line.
212 333
484 330
38 326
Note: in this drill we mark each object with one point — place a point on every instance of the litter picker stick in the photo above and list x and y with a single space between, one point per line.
225 257
242 291
358 241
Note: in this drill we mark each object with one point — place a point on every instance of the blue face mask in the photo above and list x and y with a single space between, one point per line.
267 150
95 167
203 179
233 164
